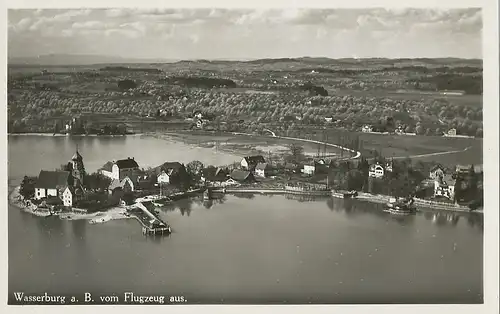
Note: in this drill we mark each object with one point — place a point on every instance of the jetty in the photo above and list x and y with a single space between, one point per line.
145 213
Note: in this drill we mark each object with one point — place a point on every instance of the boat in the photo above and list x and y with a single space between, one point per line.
403 207
350 194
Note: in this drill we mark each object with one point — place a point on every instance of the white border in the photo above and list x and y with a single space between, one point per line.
491 114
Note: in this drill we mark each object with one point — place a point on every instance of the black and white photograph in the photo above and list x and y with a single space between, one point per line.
250 156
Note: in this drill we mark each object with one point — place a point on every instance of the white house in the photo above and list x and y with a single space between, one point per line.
376 171
67 197
163 178
263 170
445 186
367 128
51 183
309 169
250 162
452 132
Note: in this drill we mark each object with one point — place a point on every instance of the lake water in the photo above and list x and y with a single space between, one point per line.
240 249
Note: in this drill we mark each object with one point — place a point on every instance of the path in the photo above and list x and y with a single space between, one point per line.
272 133
434 154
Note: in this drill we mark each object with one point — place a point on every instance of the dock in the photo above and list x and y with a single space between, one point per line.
151 222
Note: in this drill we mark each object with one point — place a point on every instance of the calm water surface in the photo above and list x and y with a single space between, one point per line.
240 249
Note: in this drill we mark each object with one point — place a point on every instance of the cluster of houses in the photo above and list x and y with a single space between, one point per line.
65 187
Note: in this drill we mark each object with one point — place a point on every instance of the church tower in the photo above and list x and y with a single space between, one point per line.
78 169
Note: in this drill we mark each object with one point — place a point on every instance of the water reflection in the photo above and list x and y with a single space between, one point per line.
351 208
304 198
244 195
79 228
157 238
208 204
442 218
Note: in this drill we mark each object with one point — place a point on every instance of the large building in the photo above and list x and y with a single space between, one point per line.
51 183
119 169
65 184
444 186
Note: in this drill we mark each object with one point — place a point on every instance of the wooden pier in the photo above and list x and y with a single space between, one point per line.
151 223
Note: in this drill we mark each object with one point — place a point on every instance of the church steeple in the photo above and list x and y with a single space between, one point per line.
78 171
77 156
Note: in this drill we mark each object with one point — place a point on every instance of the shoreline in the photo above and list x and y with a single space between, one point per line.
365 197
113 213
67 135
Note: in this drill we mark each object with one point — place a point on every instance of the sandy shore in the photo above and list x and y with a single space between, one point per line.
97 217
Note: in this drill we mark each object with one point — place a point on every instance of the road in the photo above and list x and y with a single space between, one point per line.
434 154
358 154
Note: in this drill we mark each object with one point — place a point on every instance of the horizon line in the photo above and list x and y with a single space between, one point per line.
152 59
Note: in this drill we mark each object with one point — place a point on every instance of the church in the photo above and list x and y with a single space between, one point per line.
66 184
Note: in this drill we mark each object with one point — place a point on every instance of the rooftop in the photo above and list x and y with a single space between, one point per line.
52 179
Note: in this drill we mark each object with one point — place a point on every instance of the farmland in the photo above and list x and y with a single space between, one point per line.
302 97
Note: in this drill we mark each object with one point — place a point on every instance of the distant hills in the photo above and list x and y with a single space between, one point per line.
76 59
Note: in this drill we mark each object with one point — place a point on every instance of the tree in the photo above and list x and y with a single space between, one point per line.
128 197
296 153
27 188
96 182
419 130
57 127
126 84
194 168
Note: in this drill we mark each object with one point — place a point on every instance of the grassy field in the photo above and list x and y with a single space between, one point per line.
399 146
247 143
466 100
387 145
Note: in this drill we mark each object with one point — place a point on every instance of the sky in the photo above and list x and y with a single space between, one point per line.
247 34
